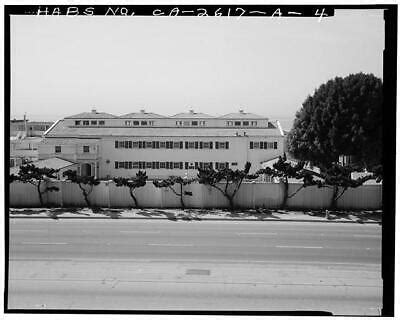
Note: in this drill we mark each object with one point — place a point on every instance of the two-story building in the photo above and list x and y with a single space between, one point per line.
106 146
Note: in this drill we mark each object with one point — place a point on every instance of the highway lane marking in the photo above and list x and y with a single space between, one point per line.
257 233
133 231
366 236
298 247
170 244
44 243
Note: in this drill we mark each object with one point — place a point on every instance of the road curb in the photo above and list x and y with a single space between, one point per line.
200 219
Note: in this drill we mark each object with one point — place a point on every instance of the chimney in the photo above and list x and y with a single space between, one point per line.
241 111
191 111
94 110
142 111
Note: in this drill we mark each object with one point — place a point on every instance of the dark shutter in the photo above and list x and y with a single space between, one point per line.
186 165
181 165
201 144
227 145
251 144
140 145
275 145
116 164
216 145
153 145
116 146
196 165
196 145
186 144
211 145
180 144
261 145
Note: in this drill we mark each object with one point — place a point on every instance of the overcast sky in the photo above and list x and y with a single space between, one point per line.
66 65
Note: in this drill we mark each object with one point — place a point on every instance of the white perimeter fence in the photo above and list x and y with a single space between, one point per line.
250 195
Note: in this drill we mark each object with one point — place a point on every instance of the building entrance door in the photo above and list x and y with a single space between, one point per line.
86 170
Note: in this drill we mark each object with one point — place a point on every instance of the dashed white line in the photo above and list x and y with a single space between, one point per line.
44 243
136 231
170 244
298 247
257 234
366 236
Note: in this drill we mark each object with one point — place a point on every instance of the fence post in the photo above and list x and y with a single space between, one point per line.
61 193
109 192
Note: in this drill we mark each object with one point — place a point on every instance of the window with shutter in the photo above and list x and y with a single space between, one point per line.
227 145
116 164
116 144
251 144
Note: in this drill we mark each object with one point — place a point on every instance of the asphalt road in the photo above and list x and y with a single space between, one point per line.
208 265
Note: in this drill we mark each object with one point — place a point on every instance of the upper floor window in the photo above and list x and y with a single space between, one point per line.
77 122
93 122
135 123
101 122
195 123
245 123
57 149
85 122
237 123
86 149
143 123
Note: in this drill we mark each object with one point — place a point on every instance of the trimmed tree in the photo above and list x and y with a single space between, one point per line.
343 117
37 177
171 181
85 183
339 177
230 179
132 183
285 170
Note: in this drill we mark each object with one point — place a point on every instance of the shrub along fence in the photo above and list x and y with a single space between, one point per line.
250 195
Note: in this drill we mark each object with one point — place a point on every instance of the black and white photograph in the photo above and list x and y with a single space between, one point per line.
200 159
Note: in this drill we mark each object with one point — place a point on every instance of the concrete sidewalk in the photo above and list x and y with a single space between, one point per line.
200 214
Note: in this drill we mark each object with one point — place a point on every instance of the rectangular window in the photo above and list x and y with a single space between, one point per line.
177 145
77 122
153 165
261 145
116 164
135 165
130 164
151 123
245 123
85 122
85 148
226 145
202 123
205 145
256 145
251 145
195 123
254 123
186 123
191 145
148 165
93 123
121 144
126 165
237 123
162 165
229 123
57 149
101 122
130 144
177 165
221 145
126 144
178 123
157 165
135 123
234 164
135 144
127 123
149 144
143 123
116 144
162 144
196 144
121 165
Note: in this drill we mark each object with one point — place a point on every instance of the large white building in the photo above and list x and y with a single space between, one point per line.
106 146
